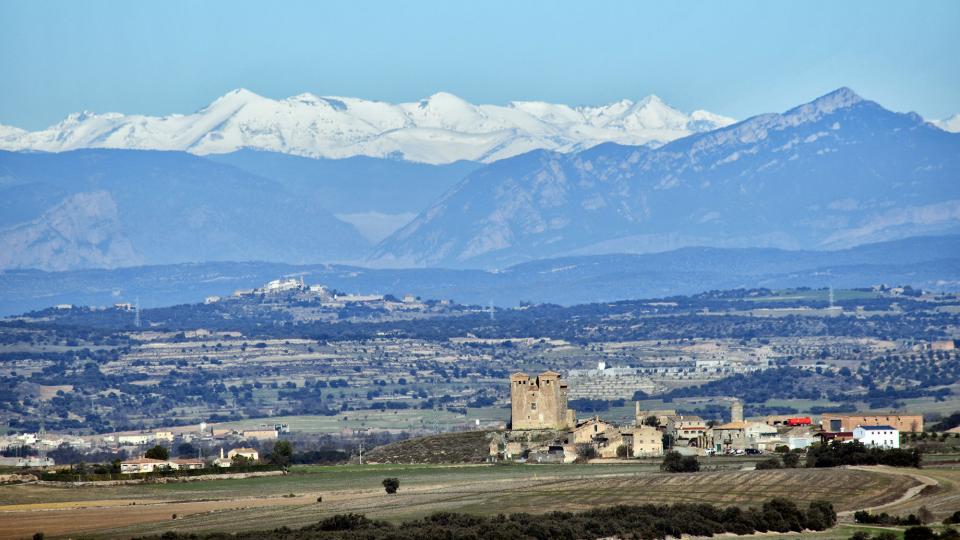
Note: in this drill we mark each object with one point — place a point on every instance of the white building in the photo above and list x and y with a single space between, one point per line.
134 439
877 436
31 461
248 453
281 285
143 465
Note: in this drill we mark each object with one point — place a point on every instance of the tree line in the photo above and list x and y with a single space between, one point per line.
647 521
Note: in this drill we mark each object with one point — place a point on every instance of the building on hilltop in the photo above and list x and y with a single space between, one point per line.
539 403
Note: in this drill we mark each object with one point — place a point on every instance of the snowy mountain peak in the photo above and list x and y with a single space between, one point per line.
234 98
951 124
441 128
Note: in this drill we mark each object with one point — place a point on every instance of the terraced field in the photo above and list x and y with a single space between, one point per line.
264 503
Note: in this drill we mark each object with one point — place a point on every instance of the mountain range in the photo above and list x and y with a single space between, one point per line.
836 172
442 128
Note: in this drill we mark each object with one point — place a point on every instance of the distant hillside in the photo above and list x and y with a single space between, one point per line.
377 196
112 208
924 262
461 447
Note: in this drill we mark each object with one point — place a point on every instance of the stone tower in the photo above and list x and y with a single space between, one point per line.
539 403
736 411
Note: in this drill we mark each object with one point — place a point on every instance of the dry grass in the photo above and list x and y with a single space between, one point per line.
258 504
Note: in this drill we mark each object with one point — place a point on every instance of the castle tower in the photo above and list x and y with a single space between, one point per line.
539 403
736 411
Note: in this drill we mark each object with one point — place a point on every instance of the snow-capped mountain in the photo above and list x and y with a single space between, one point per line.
836 172
951 124
439 129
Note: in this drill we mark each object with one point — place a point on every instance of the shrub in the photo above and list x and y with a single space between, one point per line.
771 463
391 485
919 533
676 463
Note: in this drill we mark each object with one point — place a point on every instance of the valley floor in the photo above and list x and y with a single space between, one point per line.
266 503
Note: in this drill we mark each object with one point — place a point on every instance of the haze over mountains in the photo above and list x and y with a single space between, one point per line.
838 172
439 129
930 263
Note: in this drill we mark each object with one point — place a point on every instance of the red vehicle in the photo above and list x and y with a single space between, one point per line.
801 421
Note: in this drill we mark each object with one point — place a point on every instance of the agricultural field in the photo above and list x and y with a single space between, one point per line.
266 503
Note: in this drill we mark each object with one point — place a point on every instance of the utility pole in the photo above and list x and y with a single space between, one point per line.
361 452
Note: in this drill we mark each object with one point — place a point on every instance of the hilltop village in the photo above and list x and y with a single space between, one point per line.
544 430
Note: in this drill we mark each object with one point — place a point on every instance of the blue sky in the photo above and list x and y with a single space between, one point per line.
734 58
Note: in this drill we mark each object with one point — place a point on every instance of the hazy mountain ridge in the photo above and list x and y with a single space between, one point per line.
442 128
838 171
925 262
109 208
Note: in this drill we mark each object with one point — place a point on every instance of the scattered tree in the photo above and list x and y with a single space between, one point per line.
391 485
158 452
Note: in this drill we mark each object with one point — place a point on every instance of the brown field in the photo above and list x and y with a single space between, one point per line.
265 503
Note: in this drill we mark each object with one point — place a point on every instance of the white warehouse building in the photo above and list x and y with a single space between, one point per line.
877 436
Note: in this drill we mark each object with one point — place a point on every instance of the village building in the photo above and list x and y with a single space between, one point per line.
134 439
261 434
687 431
943 345
609 443
186 464
143 465
910 423
877 436
222 461
762 437
539 403
798 437
587 430
27 461
247 453
731 436
662 416
646 441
